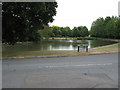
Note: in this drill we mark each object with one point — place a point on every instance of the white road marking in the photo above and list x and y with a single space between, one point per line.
80 65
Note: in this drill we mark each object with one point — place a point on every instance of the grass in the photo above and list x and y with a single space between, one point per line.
113 46
46 53
105 49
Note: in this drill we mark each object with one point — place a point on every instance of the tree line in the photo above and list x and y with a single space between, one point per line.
80 31
101 28
106 28
57 31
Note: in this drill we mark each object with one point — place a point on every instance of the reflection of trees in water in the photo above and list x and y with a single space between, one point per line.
45 44
79 42
84 42
60 43
65 43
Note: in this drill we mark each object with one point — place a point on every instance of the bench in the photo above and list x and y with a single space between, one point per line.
85 45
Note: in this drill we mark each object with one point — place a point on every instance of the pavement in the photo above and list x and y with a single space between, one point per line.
92 71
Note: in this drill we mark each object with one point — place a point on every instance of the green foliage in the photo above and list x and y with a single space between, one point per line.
80 31
46 32
21 20
87 38
84 31
75 32
97 27
106 28
56 31
67 32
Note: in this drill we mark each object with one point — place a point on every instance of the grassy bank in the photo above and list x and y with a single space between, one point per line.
84 38
75 38
113 46
44 54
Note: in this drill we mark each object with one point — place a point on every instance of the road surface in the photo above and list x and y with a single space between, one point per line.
94 71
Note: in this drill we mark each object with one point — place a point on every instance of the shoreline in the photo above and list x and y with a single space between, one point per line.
84 38
114 48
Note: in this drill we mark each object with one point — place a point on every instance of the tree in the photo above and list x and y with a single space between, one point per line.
46 32
69 32
112 28
56 30
106 28
21 19
84 31
75 32
65 32
117 24
97 27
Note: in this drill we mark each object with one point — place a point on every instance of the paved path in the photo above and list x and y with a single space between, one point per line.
64 72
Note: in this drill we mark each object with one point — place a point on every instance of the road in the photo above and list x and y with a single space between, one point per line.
93 71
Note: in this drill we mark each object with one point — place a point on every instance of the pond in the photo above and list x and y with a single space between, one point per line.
52 45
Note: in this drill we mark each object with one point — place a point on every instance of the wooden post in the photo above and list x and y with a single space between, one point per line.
78 48
86 48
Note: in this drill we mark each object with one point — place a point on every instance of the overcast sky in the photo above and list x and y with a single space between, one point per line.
83 12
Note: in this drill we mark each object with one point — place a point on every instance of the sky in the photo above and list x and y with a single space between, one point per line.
74 13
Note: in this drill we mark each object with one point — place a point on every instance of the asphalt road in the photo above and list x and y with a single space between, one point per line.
94 71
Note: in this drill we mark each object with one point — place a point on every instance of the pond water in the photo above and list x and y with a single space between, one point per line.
53 45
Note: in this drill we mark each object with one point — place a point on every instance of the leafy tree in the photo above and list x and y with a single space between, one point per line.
112 28
98 27
80 27
106 28
84 31
21 20
117 25
65 32
105 31
69 32
75 32
56 30
46 32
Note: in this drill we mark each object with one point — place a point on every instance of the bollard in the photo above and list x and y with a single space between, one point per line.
78 48
86 48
